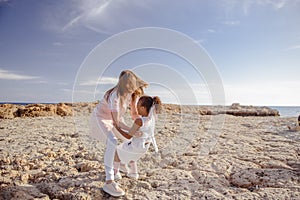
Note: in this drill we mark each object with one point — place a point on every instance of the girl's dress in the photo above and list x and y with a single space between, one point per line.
137 146
101 118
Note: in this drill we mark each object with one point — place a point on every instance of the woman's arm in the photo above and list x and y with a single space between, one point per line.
124 133
133 130
114 106
117 122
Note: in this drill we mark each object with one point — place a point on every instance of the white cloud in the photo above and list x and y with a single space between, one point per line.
40 82
4 1
98 16
189 94
231 23
293 47
72 22
264 93
98 30
82 92
200 41
256 93
211 31
62 83
57 44
102 81
277 4
108 17
231 7
9 75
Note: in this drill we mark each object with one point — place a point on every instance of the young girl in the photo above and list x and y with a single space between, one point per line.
131 151
108 116
295 127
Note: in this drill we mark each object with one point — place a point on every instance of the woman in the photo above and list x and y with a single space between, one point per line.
107 117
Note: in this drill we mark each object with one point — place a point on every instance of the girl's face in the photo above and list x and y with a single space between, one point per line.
141 109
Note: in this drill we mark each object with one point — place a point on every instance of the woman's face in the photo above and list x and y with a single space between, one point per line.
127 83
130 86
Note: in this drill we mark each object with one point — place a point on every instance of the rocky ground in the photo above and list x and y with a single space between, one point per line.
200 157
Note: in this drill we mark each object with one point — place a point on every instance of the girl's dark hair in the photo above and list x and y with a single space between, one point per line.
299 120
148 102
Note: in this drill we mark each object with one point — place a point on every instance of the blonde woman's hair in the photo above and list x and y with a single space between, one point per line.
137 93
128 83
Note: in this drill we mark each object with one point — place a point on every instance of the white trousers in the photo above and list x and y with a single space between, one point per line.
109 155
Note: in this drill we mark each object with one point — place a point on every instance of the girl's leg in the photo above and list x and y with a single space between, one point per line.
133 172
124 168
116 164
133 167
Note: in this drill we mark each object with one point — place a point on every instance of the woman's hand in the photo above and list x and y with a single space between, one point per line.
138 134
115 125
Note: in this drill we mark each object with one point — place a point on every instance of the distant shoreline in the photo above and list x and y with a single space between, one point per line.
235 109
28 103
23 103
9 111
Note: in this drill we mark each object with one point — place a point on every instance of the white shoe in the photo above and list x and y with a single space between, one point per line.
133 175
118 176
113 189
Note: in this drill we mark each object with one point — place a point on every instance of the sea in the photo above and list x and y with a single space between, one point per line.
287 111
284 111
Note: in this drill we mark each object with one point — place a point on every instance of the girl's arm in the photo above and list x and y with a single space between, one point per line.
133 109
133 130
135 127
124 133
133 103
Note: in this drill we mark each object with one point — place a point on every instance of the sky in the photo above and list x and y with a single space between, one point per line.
254 45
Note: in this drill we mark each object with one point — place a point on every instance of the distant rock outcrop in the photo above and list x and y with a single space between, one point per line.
235 109
10 111
7 111
37 110
64 110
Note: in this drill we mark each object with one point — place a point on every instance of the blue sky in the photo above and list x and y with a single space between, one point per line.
255 45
